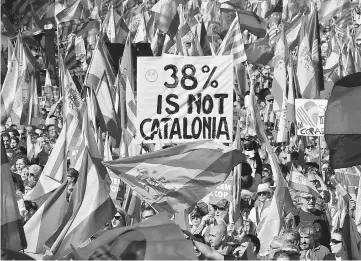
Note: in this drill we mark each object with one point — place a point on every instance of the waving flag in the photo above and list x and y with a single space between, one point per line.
252 22
77 10
259 52
341 9
12 231
301 183
178 175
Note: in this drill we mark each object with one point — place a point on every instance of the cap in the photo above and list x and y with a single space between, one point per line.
264 187
222 203
35 169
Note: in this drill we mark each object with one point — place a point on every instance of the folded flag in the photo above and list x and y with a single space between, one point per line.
154 239
12 231
301 183
259 52
180 175
343 122
252 22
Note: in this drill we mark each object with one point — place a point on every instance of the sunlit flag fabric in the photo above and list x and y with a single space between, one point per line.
343 122
12 231
301 183
180 175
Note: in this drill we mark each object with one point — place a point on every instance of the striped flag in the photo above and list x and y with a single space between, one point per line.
75 26
279 84
301 183
34 109
233 43
117 30
186 166
90 208
169 17
70 60
340 189
336 8
12 231
46 220
306 71
76 10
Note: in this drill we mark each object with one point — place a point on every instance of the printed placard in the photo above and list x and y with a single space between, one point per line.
310 117
185 98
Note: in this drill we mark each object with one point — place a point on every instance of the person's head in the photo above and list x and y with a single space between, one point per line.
313 179
307 202
337 243
196 217
44 113
24 173
118 220
266 170
264 192
72 175
318 230
52 131
217 235
147 213
268 180
307 234
58 110
6 140
284 255
34 172
221 208
294 157
14 142
292 238
255 241
20 163
284 170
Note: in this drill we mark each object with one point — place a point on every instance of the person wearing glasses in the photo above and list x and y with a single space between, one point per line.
338 248
221 211
260 209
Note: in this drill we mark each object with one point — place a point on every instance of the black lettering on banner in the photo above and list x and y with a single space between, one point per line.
142 128
207 122
172 103
214 127
210 104
165 120
173 75
185 129
221 97
220 131
197 101
155 128
194 133
159 104
189 77
176 130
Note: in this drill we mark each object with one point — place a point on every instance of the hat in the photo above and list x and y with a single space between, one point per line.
264 187
196 213
35 169
203 208
222 203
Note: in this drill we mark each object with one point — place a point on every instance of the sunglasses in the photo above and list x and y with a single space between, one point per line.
146 217
309 147
310 198
218 208
30 174
117 217
335 242
262 193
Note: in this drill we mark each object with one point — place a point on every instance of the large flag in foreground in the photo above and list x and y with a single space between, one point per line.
156 238
12 231
181 175
343 122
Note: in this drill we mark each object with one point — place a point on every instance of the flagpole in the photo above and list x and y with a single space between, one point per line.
59 76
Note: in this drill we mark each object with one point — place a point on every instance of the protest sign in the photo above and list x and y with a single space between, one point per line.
348 176
185 98
310 116
222 191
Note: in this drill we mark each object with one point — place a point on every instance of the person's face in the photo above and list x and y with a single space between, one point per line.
306 242
147 214
11 134
6 141
318 231
69 179
314 181
31 177
262 196
266 173
308 202
211 211
43 114
20 164
117 221
292 240
220 212
52 132
336 243
13 143
215 238
41 140
24 174
196 220
57 110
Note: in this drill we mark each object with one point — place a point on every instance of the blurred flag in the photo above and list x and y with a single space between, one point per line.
12 231
169 17
196 161
342 133
340 189
157 238
253 23
77 10
301 183
351 238
341 9
259 52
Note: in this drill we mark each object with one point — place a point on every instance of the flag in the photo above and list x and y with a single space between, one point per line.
117 30
259 52
90 207
252 22
301 183
279 83
351 238
358 208
159 238
53 174
339 9
104 97
12 231
233 43
203 40
34 109
75 26
77 10
169 17
306 73
340 189
342 122
46 219
187 166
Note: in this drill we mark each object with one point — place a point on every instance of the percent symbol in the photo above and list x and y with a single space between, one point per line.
214 83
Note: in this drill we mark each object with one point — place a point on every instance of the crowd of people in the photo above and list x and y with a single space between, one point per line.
315 228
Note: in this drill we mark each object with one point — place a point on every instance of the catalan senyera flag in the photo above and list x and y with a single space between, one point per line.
335 8
157 236
340 189
12 231
76 10
169 17
46 220
252 22
342 122
233 43
301 183
92 209
177 175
